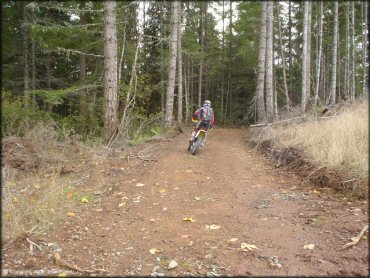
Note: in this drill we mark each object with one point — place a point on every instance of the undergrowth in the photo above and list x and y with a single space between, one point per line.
48 166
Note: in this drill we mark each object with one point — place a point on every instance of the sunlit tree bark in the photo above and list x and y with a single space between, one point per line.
260 97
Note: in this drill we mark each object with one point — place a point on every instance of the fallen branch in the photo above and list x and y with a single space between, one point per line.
356 239
314 171
14 241
279 122
34 244
62 263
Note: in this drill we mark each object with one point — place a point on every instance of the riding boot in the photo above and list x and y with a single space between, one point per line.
192 135
191 139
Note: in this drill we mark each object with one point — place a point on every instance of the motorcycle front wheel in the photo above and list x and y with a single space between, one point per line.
196 146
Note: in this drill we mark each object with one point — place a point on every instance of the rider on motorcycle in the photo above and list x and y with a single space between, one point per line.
204 118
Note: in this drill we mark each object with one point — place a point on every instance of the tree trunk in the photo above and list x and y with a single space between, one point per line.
269 62
122 55
33 61
192 86
364 48
290 50
110 70
172 65
179 64
353 90
229 93
346 59
282 57
223 62
304 58
82 77
319 55
260 97
186 88
333 86
323 86
338 64
25 55
201 39
308 82
275 92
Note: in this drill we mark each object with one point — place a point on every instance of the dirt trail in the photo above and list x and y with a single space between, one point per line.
227 184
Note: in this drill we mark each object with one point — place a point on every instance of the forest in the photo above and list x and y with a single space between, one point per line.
102 69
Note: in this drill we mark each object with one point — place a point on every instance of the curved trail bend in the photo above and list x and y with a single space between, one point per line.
227 184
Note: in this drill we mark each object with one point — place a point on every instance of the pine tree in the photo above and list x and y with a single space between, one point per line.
172 64
110 70
260 97
334 60
269 62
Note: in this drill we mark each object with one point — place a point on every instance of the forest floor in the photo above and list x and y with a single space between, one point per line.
249 218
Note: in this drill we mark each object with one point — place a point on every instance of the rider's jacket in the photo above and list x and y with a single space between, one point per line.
199 116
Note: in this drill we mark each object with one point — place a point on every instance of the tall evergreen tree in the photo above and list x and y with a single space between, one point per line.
110 72
172 63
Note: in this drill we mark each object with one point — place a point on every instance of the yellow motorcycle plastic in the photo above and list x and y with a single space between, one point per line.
197 142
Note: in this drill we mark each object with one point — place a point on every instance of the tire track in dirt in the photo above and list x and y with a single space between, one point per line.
226 184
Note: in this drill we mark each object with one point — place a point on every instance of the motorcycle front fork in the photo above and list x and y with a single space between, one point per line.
193 135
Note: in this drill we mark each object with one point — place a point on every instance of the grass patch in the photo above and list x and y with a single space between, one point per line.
340 142
142 137
34 202
39 170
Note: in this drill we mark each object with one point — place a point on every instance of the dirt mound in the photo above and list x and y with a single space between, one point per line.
295 160
20 154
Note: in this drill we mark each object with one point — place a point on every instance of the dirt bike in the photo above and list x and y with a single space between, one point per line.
199 137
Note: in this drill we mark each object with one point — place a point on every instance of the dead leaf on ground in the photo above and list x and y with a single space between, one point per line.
247 247
84 200
213 227
153 251
189 219
69 195
309 246
71 214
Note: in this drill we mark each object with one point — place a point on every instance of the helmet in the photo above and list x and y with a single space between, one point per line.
207 103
